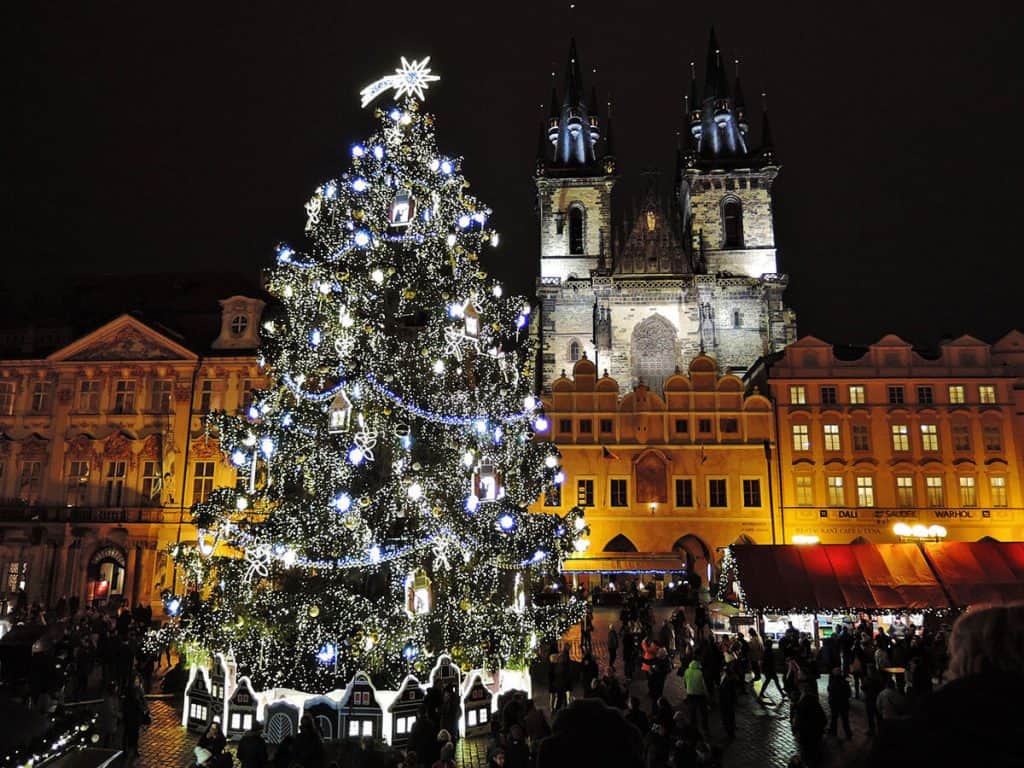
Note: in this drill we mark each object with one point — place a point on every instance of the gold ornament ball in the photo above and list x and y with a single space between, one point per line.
481 274
464 604
357 215
417 466
314 611
409 294
351 522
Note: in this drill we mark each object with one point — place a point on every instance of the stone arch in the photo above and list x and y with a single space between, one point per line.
653 352
732 222
696 555
107 572
620 544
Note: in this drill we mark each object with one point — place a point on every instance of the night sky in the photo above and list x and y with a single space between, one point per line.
158 137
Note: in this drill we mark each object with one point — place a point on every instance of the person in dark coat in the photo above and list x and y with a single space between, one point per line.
636 716
135 714
839 702
560 680
613 645
309 745
423 736
252 749
809 725
770 670
728 690
284 752
589 673
214 742
873 685
660 666
589 733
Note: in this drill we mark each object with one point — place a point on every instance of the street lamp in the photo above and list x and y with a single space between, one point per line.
919 532
805 538
654 507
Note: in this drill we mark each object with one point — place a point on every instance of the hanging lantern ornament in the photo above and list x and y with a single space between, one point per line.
487 483
339 413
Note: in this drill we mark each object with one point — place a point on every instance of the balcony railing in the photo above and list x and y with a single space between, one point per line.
24 513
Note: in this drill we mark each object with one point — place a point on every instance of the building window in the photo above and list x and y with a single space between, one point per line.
113 484
729 426
619 494
704 425
565 425
997 488
798 394
929 437
986 394
968 493
151 482
832 437
732 223
737 319
682 426
836 492
239 325
865 492
585 493
856 394
575 351
961 437
684 492
247 395
206 396
607 426
900 437
801 438
30 482
89 396
202 481
586 427
933 485
576 230
553 496
124 396
17 576
752 493
925 396
804 490
895 395
40 397
993 437
956 394
904 491
829 396
78 483
6 398
717 493
861 437
161 396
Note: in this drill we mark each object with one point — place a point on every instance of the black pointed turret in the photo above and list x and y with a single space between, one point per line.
573 127
767 150
711 68
609 141
739 103
553 117
543 148
573 78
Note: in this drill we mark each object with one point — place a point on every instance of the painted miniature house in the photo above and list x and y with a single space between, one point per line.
477 704
243 709
222 685
326 716
199 704
282 720
361 713
445 673
402 711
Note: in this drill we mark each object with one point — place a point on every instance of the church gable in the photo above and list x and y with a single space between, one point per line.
122 339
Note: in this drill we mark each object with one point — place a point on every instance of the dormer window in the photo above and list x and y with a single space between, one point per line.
240 316
239 324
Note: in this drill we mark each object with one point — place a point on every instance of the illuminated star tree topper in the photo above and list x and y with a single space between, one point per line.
412 79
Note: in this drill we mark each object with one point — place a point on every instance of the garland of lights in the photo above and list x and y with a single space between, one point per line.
380 514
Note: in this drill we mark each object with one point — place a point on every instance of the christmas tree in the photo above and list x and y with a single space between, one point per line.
380 517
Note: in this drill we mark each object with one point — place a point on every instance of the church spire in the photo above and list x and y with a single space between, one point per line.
739 103
712 63
767 144
573 126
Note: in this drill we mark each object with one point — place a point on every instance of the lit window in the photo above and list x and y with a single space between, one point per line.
956 394
961 437
986 393
684 492
752 493
900 437
993 437
717 496
801 438
857 394
933 484
929 437
895 395
798 395
585 493
89 396
619 495
828 396
202 481
575 230
836 492
997 488
6 398
239 324
78 483
905 491
161 397
968 493
924 396
865 492
861 437
804 490
732 223
124 396
113 484
40 397
832 437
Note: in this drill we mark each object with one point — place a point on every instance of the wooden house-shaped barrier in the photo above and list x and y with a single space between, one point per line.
446 673
326 715
361 713
199 705
243 710
402 711
477 706
282 720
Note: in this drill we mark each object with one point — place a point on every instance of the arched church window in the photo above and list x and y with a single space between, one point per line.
574 351
576 230
732 223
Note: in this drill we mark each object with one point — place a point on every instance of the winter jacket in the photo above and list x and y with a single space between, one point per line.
694 680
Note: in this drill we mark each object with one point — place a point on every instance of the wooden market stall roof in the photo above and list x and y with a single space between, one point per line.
979 572
627 562
829 577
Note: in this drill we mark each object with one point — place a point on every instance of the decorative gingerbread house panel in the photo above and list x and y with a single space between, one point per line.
282 720
222 685
361 714
446 673
403 710
477 704
243 709
326 716
199 704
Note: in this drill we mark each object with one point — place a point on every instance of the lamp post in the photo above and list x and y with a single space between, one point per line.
919 532
802 538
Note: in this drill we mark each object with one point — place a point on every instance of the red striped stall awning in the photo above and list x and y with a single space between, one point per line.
979 572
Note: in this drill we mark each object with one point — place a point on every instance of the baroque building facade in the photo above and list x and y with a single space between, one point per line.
696 275
103 451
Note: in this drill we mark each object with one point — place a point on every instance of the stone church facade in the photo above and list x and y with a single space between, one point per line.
697 274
